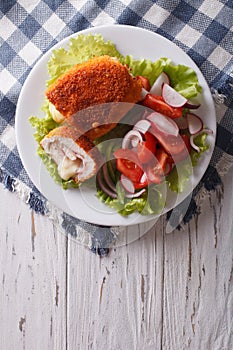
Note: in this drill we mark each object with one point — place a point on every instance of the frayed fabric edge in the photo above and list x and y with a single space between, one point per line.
76 230
85 233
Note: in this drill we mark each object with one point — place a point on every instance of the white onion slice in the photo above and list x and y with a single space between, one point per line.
135 194
156 88
164 124
133 137
142 125
143 93
172 97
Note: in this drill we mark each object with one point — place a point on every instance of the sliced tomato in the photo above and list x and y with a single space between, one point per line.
187 142
157 169
127 163
169 166
173 145
180 148
143 182
162 158
165 161
158 104
145 82
146 149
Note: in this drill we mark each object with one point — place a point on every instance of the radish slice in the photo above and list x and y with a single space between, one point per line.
195 123
172 97
164 124
133 137
142 125
190 105
192 143
156 88
127 184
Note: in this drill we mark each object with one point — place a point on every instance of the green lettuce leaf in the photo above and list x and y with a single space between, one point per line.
201 142
150 202
183 79
147 68
43 126
178 179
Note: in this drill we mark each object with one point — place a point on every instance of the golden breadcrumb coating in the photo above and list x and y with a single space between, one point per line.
98 120
70 132
100 80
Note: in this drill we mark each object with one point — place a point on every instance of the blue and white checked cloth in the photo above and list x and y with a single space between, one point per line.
28 28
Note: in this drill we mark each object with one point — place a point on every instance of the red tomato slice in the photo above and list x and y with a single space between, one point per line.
146 149
173 145
157 169
145 82
127 163
162 158
144 181
186 142
158 104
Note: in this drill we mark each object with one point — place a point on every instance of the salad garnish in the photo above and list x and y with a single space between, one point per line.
144 158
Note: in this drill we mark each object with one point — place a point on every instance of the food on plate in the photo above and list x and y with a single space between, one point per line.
129 122
98 119
99 80
75 155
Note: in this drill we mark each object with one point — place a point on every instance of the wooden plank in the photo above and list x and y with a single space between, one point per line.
164 291
33 279
198 288
116 302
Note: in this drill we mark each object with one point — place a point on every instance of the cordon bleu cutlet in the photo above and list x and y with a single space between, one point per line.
75 155
87 102
98 81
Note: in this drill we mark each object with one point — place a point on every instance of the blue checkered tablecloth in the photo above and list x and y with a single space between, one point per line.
28 28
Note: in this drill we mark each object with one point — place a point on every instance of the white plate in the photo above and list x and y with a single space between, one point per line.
83 204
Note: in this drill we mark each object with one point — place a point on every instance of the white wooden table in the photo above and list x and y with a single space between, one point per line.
164 291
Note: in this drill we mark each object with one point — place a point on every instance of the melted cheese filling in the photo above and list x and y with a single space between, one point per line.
67 168
56 115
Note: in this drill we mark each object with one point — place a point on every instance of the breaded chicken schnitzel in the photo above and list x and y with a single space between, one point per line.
87 102
100 80
75 155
